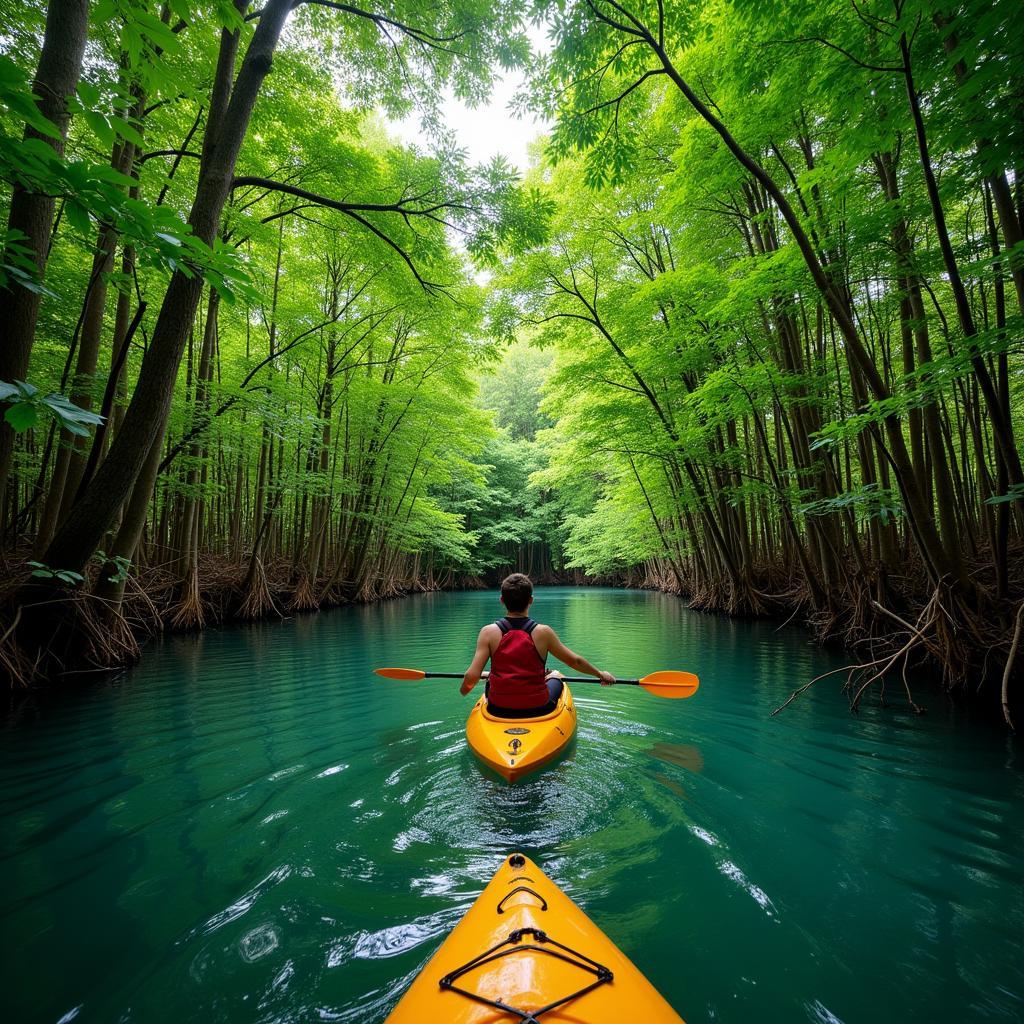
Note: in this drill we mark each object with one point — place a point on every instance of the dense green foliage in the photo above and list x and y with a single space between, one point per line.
323 410
515 520
765 289
785 283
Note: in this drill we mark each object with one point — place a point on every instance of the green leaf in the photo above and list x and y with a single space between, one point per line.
107 175
155 31
72 427
16 95
89 94
122 566
78 215
1016 493
39 151
22 416
127 131
100 127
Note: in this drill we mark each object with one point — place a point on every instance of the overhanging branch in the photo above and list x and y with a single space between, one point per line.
406 208
383 22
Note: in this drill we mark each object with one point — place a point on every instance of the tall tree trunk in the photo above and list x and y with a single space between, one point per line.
1002 197
70 463
109 587
31 213
92 515
1002 426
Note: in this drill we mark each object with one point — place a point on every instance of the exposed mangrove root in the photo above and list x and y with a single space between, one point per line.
138 611
469 581
304 598
861 676
257 601
61 632
155 600
187 615
13 662
945 634
893 624
123 646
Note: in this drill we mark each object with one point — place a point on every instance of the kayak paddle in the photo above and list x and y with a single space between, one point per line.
666 683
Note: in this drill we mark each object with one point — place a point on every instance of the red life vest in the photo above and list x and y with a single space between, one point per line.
517 670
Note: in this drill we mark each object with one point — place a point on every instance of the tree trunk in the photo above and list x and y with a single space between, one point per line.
77 539
31 213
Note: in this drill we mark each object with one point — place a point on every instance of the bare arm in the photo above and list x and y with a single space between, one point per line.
572 659
476 666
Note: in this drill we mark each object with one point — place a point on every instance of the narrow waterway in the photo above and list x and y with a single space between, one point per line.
252 827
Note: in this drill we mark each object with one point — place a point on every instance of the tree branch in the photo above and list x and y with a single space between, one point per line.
618 99
846 53
355 211
169 152
420 35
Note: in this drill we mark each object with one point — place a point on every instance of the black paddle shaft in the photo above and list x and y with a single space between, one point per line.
568 679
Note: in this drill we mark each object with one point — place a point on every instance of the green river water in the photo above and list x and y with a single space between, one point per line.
251 827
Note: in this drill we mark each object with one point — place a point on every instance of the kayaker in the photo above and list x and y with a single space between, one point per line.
519 684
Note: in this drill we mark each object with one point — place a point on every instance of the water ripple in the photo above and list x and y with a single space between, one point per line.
249 827
244 903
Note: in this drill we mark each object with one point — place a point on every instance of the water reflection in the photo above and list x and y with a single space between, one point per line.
685 755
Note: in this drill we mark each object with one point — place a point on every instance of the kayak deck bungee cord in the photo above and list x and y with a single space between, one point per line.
524 953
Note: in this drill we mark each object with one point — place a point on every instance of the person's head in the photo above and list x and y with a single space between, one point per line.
516 593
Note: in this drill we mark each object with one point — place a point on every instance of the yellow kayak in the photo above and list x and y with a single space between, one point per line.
525 952
515 746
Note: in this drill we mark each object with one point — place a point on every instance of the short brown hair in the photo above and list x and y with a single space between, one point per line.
516 591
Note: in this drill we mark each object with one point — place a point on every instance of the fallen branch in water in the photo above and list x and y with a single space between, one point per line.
904 651
796 693
876 668
1009 667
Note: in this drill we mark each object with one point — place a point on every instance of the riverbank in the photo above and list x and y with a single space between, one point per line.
222 592
898 627
219 592
881 641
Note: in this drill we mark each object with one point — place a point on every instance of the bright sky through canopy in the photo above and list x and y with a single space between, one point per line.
491 128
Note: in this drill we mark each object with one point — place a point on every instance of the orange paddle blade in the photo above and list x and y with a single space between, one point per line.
672 684
400 673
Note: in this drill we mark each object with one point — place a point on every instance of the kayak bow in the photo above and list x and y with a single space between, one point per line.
526 952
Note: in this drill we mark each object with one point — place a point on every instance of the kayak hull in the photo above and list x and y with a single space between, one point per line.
526 945
514 747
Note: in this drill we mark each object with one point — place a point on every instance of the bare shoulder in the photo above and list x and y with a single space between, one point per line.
548 640
490 635
544 638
